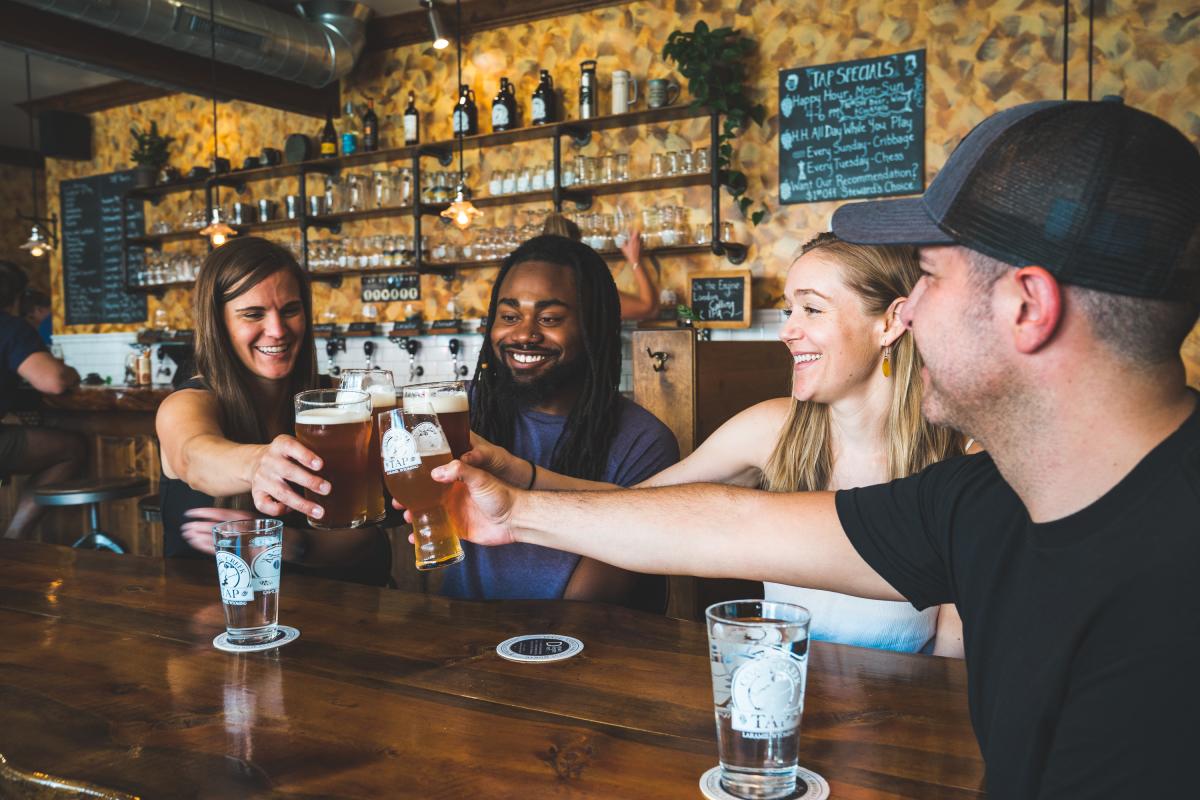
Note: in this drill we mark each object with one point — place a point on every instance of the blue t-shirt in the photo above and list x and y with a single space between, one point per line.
18 341
643 446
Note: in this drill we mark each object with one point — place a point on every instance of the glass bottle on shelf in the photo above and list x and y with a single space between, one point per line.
349 129
501 113
542 107
412 121
588 90
329 142
465 120
370 128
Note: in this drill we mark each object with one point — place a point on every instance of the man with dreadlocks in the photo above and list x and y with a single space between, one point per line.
546 388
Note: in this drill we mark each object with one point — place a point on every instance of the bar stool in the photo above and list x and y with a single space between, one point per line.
91 492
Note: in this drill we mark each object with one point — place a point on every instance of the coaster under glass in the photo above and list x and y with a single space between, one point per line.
284 635
809 786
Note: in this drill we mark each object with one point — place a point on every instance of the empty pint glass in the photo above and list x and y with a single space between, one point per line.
447 399
378 384
336 425
413 444
759 656
249 553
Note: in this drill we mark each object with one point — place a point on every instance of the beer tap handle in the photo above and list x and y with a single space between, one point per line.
369 351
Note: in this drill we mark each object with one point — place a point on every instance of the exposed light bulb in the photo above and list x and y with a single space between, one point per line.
37 251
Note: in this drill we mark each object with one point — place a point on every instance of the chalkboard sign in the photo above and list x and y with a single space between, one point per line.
720 299
854 129
93 281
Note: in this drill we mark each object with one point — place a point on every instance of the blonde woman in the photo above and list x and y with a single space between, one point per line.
854 419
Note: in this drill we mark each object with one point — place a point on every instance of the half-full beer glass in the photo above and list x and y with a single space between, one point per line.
448 399
249 553
336 425
412 444
378 384
759 656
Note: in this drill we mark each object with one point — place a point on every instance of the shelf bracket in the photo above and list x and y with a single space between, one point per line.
333 279
229 181
432 209
331 225
734 252
444 155
582 200
580 135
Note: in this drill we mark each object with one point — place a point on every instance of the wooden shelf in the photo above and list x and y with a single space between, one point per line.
608 255
159 288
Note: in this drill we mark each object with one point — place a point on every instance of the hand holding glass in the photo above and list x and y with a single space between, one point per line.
336 425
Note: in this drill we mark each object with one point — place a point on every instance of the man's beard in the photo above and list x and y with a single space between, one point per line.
545 386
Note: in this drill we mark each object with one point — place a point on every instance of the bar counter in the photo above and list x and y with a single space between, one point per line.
108 676
108 398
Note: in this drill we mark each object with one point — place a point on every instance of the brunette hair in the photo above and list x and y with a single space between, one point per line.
13 281
803 455
230 271
582 449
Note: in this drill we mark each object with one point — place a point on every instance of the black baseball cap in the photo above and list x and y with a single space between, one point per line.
1102 195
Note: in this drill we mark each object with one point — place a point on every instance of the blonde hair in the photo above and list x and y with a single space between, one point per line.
803 455
558 225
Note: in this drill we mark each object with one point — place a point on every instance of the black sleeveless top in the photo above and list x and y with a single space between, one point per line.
176 498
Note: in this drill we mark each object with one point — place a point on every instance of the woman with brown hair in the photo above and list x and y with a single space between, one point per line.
227 433
853 419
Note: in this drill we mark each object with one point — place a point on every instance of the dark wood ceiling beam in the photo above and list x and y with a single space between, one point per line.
385 33
32 30
96 98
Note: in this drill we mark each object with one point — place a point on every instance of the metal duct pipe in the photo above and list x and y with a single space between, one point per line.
316 48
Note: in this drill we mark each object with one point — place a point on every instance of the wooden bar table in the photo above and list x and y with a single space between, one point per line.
108 676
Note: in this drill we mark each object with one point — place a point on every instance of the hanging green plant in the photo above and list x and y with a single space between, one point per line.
714 63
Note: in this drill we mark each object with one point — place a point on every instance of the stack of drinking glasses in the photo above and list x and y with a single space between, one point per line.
679 162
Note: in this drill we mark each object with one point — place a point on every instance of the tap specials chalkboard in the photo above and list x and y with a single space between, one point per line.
854 129
720 299
93 281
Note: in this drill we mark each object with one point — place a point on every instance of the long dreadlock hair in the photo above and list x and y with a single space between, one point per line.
582 449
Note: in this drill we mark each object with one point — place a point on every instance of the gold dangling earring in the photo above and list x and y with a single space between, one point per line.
887 361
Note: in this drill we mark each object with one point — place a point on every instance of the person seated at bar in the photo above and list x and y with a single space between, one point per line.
47 455
228 432
644 304
547 388
1060 252
35 309
854 418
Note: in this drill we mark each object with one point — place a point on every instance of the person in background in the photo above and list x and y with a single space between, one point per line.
47 455
35 309
1060 259
227 434
547 388
854 418
644 304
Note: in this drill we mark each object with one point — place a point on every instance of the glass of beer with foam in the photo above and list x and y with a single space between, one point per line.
378 384
412 443
449 401
336 425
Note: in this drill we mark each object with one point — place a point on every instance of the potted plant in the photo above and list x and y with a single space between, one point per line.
149 154
714 63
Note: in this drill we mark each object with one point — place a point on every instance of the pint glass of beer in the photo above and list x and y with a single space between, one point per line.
378 384
448 399
249 553
413 443
336 425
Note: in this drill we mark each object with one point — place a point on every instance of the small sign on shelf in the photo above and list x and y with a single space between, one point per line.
720 299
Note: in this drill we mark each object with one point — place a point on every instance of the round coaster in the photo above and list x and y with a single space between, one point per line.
809 786
539 647
284 635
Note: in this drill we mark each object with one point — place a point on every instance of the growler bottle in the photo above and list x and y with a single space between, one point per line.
466 120
501 116
542 108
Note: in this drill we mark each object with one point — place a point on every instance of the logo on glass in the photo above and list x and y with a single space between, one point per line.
767 694
234 574
399 451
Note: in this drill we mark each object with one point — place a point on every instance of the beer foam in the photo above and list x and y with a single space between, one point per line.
382 397
350 395
331 416
449 403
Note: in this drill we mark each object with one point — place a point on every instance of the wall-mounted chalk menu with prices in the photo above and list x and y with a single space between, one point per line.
720 299
94 285
854 129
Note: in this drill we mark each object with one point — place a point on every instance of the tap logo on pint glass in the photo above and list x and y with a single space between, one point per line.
399 451
429 438
265 567
234 574
767 695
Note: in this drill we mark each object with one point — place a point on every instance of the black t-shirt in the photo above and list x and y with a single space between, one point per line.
1082 635
18 341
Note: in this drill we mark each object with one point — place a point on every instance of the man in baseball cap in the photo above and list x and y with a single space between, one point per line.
1060 246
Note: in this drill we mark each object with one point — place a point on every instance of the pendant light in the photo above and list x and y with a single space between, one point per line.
43 234
461 212
437 28
217 231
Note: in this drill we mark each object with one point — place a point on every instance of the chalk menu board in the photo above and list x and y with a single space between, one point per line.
854 129
94 287
720 299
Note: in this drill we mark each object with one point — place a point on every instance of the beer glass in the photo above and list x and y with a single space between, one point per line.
447 399
758 651
378 384
249 553
336 425
413 443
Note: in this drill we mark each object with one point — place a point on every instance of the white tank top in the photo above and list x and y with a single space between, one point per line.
841 618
